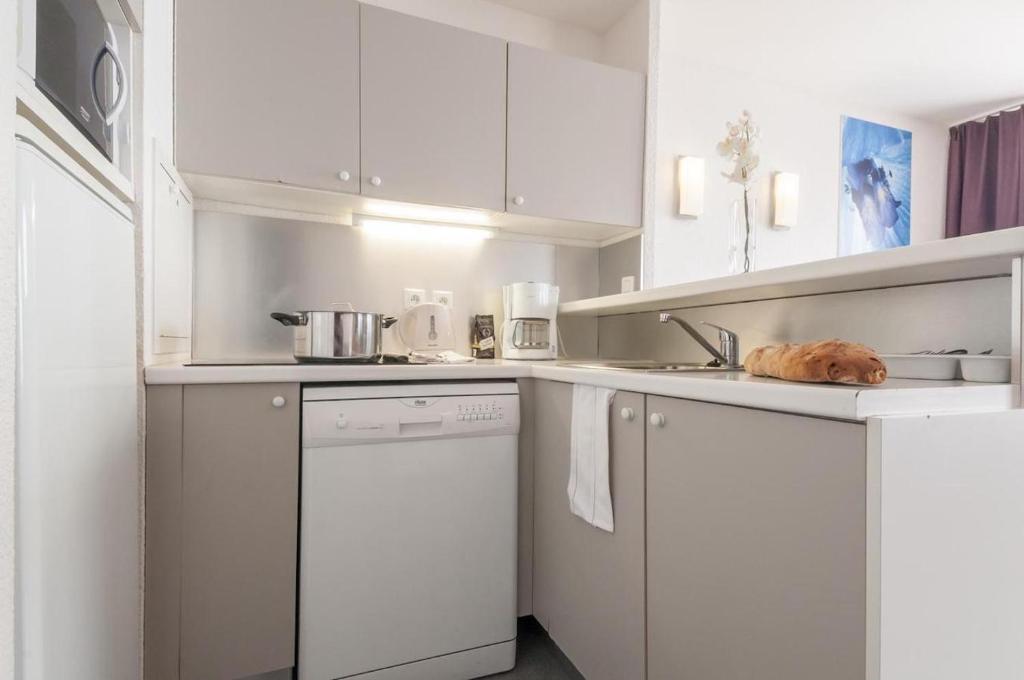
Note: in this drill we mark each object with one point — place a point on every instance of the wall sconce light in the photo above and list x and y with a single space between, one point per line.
786 197
690 175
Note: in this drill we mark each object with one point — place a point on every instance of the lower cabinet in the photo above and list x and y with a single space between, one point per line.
222 481
588 584
755 544
739 548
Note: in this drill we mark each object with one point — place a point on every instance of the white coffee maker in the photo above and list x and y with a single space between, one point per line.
529 331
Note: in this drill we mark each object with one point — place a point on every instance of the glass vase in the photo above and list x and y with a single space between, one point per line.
743 235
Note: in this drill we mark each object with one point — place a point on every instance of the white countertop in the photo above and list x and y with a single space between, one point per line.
894 397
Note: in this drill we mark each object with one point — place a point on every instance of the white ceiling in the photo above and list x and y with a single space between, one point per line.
594 15
942 60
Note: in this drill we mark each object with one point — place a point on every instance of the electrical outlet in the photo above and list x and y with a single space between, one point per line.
412 297
443 297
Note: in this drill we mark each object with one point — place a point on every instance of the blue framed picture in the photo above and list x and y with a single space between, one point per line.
874 192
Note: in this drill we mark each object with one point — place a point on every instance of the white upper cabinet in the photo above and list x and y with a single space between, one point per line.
368 103
269 91
433 112
575 139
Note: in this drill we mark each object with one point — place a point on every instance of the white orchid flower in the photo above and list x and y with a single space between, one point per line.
740 146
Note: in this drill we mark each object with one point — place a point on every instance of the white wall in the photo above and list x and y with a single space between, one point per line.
625 44
157 134
8 43
503 22
800 132
158 69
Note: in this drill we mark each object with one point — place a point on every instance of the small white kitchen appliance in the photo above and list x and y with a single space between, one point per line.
427 329
530 330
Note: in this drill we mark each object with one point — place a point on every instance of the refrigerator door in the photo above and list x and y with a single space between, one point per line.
77 462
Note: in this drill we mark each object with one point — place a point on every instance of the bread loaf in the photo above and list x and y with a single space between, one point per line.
823 361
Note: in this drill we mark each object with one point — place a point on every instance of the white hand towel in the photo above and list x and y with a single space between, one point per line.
590 494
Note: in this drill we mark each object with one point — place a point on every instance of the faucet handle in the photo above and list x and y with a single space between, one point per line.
728 341
721 331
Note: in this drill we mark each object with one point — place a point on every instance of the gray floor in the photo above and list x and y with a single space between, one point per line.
537 657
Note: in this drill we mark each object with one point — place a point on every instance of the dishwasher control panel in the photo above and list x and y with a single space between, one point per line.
483 410
355 421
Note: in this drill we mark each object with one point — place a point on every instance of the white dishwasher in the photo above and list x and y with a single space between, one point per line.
407 565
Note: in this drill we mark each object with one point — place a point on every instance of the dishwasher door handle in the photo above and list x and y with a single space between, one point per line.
419 428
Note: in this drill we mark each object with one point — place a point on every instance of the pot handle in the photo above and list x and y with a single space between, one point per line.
388 321
287 319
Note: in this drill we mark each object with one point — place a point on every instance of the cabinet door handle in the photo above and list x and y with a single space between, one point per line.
344 176
627 414
375 181
658 419
519 200
278 401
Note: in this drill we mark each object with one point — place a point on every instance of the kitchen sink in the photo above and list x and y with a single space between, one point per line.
648 366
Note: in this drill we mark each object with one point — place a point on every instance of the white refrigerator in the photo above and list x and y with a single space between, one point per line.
77 457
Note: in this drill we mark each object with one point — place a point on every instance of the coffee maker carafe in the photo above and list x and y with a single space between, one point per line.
529 331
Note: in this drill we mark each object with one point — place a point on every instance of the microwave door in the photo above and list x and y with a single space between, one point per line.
70 36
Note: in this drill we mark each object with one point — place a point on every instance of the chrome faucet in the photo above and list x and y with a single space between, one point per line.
729 343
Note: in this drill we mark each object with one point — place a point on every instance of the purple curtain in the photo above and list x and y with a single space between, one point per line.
985 181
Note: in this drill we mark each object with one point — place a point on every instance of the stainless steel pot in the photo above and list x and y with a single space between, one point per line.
336 335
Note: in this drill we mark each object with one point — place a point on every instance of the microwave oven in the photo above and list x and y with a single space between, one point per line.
79 67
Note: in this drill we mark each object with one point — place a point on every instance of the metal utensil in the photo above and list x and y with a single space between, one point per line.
336 335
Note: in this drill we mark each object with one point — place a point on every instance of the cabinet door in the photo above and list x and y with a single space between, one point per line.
588 583
575 138
269 90
756 545
162 610
240 487
433 112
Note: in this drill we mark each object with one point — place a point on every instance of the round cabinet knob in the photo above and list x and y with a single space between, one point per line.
341 423
627 414
375 181
278 402
658 419
519 200
344 176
